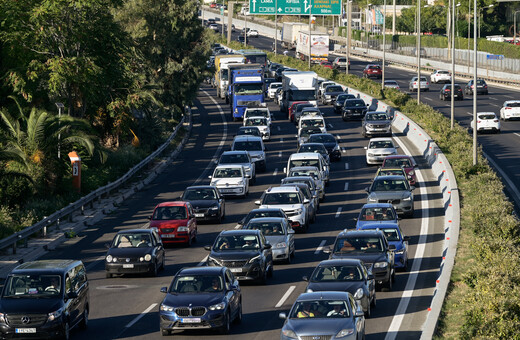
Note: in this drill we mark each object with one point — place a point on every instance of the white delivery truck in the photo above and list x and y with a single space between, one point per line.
298 86
290 31
319 46
222 63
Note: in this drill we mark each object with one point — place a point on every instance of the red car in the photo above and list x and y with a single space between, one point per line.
402 161
326 64
372 71
292 108
213 5
175 222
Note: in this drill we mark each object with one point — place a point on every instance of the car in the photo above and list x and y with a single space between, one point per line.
135 251
278 232
510 110
324 315
402 161
246 253
272 69
252 33
340 101
310 196
376 123
232 27
305 133
395 237
213 21
201 298
378 149
292 108
372 71
175 222
314 147
395 190
330 143
440 76
214 27
326 64
330 93
309 111
376 213
413 86
340 63
482 87
309 181
231 179
291 200
207 202
309 159
323 85
371 247
241 38
445 93
391 84
392 171
249 131
354 108
255 146
312 120
298 109
261 123
280 71
278 95
271 90
486 122
45 299
213 5
257 213
312 172
240 158
345 275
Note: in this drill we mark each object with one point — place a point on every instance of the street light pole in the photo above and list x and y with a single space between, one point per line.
514 27
479 15
384 47
475 82
310 33
60 107
366 23
276 27
418 51
347 37
453 64
245 29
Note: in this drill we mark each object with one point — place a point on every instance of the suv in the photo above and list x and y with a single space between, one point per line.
340 63
376 123
255 146
246 253
482 87
261 123
291 200
309 159
372 71
446 92
331 92
354 108
392 189
340 100
323 86
371 247
240 158
259 112
207 202
45 299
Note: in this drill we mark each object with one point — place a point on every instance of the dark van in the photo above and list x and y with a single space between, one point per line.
44 299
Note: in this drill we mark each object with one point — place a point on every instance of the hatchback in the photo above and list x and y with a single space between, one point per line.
402 161
278 232
392 189
378 149
175 222
372 71
413 86
482 87
486 122
445 93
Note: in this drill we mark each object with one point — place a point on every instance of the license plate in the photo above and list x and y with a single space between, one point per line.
25 330
168 236
199 215
128 265
191 320
236 270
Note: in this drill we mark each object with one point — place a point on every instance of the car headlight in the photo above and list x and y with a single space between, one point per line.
55 315
166 308
299 211
409 198
289 334
236 110
344 332
359 293
109 258
281 245
380 264
2 318
148 257
372 199
182 228
214 260
400 251
256 258
214 207
370 154
218 306
336 148
309 290
370 125
411 173
327 96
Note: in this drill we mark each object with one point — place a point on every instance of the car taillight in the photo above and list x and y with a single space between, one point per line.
447 90
427 83
478 121
485 86
507 108
471 86
415 83
496 120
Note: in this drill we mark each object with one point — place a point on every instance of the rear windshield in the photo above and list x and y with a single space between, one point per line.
376 116
354 103
234 159
513 104
354 244
485 117
312 123
248 146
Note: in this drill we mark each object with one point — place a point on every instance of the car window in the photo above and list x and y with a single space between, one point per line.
391 234
170 213
355 103
234 158
132 240
381 144
336 274
256 122
334 89
236 242
377 214
304 162
199 194
320 309
227 173
486 117
389 185
194 284
267 228
248 146
376 116
515 104
350 244
281 198
33 286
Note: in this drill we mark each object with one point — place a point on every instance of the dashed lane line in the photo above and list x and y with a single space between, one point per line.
346 166
320 247
346 186
285 296
137 318
338 212
275 172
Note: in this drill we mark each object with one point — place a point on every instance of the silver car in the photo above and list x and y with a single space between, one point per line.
310 183
239 158
392 189
414 84
313 172
278 233
376 123
324 315
312 205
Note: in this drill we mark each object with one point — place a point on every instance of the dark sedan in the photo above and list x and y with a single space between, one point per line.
207 202
201 297
330 94
446 92
330 143
482 87
340 100
135 251
354 109
249 130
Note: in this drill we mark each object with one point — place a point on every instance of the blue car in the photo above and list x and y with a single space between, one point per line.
376 213
201 297
395 237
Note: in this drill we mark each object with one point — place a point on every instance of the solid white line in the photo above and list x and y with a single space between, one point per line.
338 136
346 186
320 247
275 172
203 262
516 134
510 184
338 212
346 166
285 296
137 318
278 128
330 125
280 154
428 98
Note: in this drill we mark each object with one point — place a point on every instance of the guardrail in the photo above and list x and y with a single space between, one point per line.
41 226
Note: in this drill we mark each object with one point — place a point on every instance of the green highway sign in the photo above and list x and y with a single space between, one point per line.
295 7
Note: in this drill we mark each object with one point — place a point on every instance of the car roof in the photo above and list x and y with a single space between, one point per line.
385 225
171 204
247 138
201 187
267 219
398 157
381 139
48 266
229 166
307 167
239 232
377 205
390 177
305 155
135 231
200 270
336 262
298 178
282 189
324 134
355 233
265 209
236 152
324 295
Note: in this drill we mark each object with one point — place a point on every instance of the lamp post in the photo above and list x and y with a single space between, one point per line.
60 107
276 27
222 13
514 27
349 34
245 28
366 23
310 33
418 51
475 82
480 14
453 63
384 47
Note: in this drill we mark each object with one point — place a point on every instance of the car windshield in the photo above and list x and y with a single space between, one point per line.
263 213
234 159
194 284
312 173
487 116
301 95
389 185
358 244
381 144
398 162
481 82
267 228
257 113
312 123
199 194
236 242
253 131
336 274
132 240
169 213
355 103
281 198
256 121
391 234
391 172
443 72
312 148
376 116
32 286
227 173
334 89
320 309
377 214
322 139
304 162
343 97
248 146
249 88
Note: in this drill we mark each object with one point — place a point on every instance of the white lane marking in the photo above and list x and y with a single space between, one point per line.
280 154
344 150
320 247
404 300
330 125
211 163
338 212
275 172
281 140
428 98
346 166
338 136
93 263
510 183
516 134
346 186
493 98
278 128
203 262
285 296
137 318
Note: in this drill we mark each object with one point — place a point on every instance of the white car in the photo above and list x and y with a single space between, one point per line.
214 27
322 87
392 84
486 121
262 125
312 120
252 33
378 149
309 159
510 110
414 84
259 112
272 89
239 158
254 145
440 76
230 180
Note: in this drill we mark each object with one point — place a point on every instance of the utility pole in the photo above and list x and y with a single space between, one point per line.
384 46
276 27
310 33
418 51
393 18
475 82
349 32
231 5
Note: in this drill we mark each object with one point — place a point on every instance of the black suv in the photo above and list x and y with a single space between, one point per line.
354 108
245 252
340 100
446 92
44 299
371 247
207 202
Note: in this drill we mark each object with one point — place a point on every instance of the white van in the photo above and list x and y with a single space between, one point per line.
309 159
312 120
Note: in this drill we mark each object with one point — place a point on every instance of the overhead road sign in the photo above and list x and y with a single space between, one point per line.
295 7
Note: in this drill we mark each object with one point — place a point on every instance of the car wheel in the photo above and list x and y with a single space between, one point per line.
190 240
226 326
163 263
166 332
405 267
154 271
84 321
393 275
344 117
389 285
238 318
289 259
108 275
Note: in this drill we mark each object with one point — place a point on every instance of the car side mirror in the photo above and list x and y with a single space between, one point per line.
305 278
164 290
210 176
208 248
359 313
367 189
285 170
282 316
391 246
248 176
412 188
397 146
150 217
72 295
306 201
366 148
291 231
268 246
406 238
257 202
327 250
370 276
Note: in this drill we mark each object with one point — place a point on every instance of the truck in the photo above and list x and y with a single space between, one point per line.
246 89
298 86
290 31
221 71
319 46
